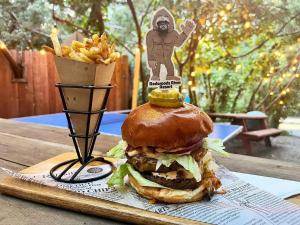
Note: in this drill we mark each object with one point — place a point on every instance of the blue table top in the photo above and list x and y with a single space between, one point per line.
112 122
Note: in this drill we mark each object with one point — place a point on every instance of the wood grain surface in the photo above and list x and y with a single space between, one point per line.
23 145
73 201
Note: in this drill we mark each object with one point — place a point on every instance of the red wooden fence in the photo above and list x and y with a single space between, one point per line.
35 93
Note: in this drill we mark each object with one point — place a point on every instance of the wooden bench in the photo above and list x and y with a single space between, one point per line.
260 133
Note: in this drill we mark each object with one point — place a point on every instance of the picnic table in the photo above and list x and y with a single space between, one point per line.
23 145
255 127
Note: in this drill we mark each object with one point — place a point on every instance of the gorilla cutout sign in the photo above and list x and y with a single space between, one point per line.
161 41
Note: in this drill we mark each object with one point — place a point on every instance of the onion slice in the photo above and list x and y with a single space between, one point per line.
181 150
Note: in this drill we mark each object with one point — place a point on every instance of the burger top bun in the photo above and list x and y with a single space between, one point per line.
166 128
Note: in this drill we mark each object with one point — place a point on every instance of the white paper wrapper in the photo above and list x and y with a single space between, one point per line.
243 203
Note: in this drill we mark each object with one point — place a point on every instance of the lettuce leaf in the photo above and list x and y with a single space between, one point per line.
117 179
189 163
118 151
167 159
216 145
209 163
141 180
186 161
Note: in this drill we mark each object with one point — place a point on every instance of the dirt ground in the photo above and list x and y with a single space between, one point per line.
285 147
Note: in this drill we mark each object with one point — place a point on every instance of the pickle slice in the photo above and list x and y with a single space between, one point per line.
166 98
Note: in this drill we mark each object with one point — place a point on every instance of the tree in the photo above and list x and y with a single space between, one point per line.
128 24
138 24
24 24
242 56
87 16
27 24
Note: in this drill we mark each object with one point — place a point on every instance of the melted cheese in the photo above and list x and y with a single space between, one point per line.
150 154
169 175
132 153
145 151
173 174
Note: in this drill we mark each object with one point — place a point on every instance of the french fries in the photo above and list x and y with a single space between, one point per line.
55 42
90 50
66 50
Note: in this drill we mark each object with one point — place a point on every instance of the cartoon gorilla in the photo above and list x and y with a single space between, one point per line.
162 39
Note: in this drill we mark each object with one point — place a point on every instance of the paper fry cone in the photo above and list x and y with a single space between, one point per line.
79 73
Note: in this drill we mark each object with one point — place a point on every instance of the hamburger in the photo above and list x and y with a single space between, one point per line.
167 151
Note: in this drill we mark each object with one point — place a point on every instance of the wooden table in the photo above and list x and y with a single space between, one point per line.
240 118
23 145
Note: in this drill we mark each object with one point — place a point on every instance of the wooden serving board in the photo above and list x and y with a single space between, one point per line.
81 203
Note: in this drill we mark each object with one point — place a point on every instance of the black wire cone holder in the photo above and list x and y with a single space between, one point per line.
87 158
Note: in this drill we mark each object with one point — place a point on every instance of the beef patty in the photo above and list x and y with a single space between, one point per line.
178 183
143 163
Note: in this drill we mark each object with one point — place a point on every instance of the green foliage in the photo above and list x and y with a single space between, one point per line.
24 23
27 24
244 57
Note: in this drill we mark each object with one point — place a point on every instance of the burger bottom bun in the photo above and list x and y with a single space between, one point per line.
168 195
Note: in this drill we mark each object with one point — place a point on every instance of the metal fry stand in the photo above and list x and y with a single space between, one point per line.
89 138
